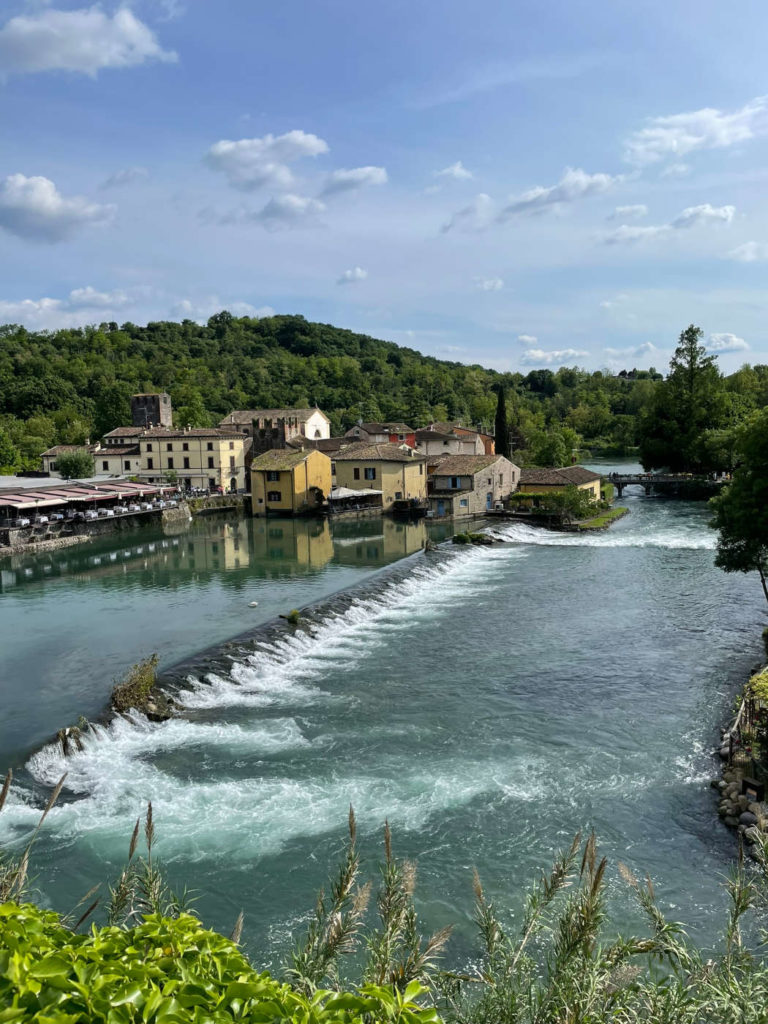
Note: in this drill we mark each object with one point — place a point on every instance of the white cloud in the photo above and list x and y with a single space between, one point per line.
749 252
527 339
90 298
574 184
614 302
358 177
288 211
252 163
679 134
85 40
537 356
489 284
646 349
475 217
126 176
201 309
692 216
676 171
726 343
456 171
636 210
33 208
353 275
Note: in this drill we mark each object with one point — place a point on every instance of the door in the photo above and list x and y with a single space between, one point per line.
441 508
488 501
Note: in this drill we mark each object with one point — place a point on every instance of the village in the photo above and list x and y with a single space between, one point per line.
283 462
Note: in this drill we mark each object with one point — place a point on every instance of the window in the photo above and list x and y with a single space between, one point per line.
273 476
489 480
231 446
170 463
445 442
370 473
185 446
501 479
186 462
398 495
274 496
356 473
210 462
464 502
150 464
231 461
421 469
333 469
149 447
126 464
210 446
211 484
104 464
454 483
169 447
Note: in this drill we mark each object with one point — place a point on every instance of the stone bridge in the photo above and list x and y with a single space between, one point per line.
648 481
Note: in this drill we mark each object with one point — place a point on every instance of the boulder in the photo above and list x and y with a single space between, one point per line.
747 818
742 801
722 784
757 809
730 821
751 835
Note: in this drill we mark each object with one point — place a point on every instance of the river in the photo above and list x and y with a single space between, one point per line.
488 702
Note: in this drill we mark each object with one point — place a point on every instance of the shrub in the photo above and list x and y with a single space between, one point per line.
135 688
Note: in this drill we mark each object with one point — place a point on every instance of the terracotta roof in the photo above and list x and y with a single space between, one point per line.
367 452
116 449
322 444
391 427
126 432
280 458
248 415
61 449
428 434
465 465
567 476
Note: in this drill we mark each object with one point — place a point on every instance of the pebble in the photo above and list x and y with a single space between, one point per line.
747 818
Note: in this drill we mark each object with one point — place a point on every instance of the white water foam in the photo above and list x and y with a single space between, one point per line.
685 540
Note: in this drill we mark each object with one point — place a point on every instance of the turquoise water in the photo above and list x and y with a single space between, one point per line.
489 702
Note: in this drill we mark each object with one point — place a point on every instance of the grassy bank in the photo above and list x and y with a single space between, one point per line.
604 520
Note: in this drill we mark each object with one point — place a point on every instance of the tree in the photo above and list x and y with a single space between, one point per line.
75 464
690 401
741 509
10 456
502 426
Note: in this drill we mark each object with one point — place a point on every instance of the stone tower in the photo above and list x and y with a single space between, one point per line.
151 410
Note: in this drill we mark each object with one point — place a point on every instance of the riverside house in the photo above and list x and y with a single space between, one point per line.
442 439
274 428
203 457
396 472
288 482
547 481
467 485
113 459
391 432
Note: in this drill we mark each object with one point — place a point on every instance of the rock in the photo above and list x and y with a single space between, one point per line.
253 604
721 785
747 818
730 821
714 783
742 801
722 810
724 753
751 835
757 809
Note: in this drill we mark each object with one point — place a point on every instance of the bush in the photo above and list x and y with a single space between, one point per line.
173 971
135 688
73 465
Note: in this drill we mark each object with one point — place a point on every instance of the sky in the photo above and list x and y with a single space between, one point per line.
519 185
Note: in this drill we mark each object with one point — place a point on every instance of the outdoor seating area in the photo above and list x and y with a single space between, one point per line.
64 504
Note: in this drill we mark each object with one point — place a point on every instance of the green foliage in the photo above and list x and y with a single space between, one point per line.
501 424
604 519
162 971
75 464
133 690
741 508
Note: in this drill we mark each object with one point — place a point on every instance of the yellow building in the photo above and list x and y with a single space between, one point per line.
548 481
286 482
397 472
203 457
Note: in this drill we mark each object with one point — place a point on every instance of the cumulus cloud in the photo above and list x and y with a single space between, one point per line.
489 284
678 134
456 171
676 171
749 252
574 184
253 163
537 356
527 339
288 211
353 275
33 208
692 216
90 298
726 343
357 177
126 176
626 212
475 217
202 309
646 349
85 40
81 305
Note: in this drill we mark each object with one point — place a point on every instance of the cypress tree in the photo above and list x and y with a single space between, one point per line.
502 426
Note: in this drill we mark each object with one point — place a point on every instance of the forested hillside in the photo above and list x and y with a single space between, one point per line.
65 386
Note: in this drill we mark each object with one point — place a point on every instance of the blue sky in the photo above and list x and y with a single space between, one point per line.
527 184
